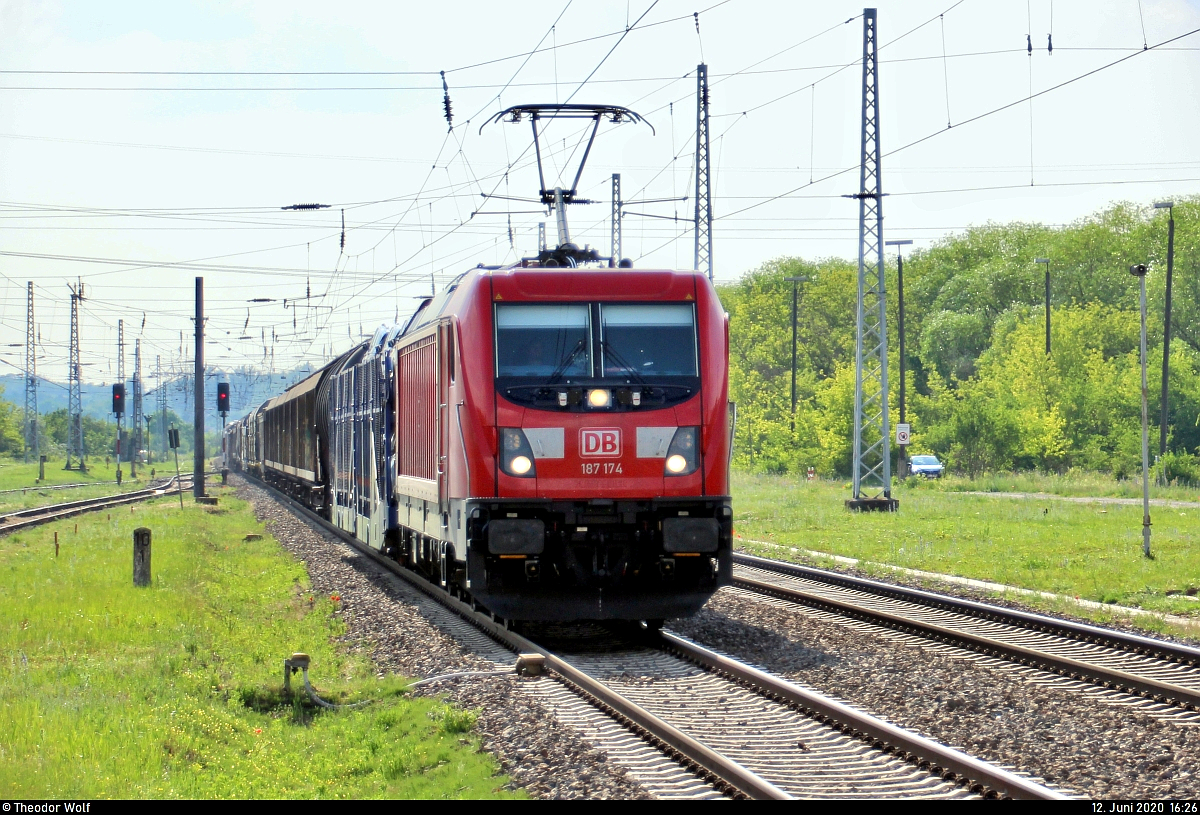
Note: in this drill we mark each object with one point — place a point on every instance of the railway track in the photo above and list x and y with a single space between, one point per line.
22 519
1165 674
745 732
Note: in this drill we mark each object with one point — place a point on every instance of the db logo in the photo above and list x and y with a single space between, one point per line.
600 441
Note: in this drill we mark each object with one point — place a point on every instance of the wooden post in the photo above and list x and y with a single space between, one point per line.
41 468
141 556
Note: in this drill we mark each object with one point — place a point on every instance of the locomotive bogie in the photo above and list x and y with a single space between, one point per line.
597 559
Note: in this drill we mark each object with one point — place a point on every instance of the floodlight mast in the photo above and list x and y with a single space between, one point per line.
557 198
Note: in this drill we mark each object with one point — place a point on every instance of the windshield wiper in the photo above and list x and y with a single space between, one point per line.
620 360
557 373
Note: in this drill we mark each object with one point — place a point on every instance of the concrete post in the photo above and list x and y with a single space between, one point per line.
141 556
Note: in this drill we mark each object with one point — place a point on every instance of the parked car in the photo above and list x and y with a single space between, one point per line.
927 466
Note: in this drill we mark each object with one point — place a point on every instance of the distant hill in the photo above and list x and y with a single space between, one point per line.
247 389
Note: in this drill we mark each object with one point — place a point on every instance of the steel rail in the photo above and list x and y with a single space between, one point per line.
885 736
1073 668
709 762
25 518
1080 631
939 759
81 503
41 487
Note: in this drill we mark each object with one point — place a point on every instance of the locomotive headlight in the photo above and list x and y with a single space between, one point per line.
516 456
599 398
683 456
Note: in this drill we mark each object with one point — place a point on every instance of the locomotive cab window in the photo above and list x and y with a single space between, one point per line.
597 356
648 340
545 341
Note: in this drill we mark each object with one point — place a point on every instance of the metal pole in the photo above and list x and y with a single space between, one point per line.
560 212
900 293
1166 363
703 220
795 281
795 298
178 477
902 461
872 462
198 459
1046 263
1047 309
1139 270
121 379
75 387
135 424
31 411
615 260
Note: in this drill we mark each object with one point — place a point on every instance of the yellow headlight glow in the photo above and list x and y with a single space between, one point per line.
599 398
521 464
676 463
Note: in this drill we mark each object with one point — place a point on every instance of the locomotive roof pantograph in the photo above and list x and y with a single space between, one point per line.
557 198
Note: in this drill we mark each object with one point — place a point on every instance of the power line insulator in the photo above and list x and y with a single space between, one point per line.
446 102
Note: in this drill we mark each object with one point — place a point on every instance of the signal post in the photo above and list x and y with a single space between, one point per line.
223 409
118 409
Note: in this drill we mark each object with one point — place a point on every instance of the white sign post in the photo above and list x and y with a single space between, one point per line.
903 434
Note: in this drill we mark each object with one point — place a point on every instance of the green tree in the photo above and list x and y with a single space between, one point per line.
982 391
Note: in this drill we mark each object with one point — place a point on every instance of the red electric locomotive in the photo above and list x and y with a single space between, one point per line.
563 441
562 432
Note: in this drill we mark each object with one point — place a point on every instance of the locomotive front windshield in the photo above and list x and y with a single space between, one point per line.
648 340
596 341
543 340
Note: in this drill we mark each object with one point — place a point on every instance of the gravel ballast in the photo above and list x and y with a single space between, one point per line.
1077 742
387 622
1118 618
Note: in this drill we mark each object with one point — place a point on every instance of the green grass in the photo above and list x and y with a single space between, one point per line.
18 475
1090 551
107 691
1088 484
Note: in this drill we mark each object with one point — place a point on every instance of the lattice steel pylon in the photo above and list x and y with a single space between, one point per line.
872 446
121 378
161 393
135 438
31 410
616 220
703 223
74 388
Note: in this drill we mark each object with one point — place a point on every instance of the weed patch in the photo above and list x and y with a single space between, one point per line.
175 691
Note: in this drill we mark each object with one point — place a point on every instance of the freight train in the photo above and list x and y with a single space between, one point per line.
550 440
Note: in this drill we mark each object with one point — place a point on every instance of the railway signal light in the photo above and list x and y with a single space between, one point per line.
118 400
222 398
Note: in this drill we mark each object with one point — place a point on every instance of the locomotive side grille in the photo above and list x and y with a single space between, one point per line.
416 373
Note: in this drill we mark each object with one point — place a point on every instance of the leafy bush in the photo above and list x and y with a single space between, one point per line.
1177 469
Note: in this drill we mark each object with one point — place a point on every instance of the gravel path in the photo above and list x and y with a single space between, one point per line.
385 620
1083 745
